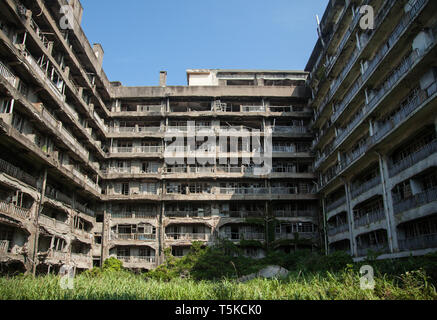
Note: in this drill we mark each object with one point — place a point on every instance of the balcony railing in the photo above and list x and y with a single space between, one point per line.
290 129
253 109
7 74
424 241
134 236
187 214
370 217
337 203
358 189
380 248
244 190
59 255
52 222
294 214
413 158
292 236
143 149
81 257
337 230
134 214
39 33
15 172
188 236
236 236
4 246
13 210
243 214
137 259
415 201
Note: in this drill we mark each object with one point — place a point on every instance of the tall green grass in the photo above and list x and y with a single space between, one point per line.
123 285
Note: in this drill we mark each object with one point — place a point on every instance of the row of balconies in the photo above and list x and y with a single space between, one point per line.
402 26
205 129
207 213
65 43
161 149
370 106
145 109
382 131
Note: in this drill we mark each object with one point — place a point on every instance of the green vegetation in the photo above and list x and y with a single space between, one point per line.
210 273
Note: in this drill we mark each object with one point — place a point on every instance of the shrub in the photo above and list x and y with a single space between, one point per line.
112 264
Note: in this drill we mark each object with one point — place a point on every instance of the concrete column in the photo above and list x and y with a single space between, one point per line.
325 226
435 124
371 132
50 47
388 204
351 221
161 232
38 212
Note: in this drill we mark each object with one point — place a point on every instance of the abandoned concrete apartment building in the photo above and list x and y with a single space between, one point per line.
83 170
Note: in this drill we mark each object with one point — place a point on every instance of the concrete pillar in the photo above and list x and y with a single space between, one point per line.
351 221
388 204
40 204
50 47
325 227
371 131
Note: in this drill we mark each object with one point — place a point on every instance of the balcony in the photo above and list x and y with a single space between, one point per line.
137 259
253 109
134 237
188 236
7 74
290 129
235 236
15 172
4 246
292 236
424 241
13 210
380 248
359 189
337 203
81 258
143 149
239 191
53 223
294 214
243 214
134 215
415 201
187 214
369 217
57 255
413 158
337 230
57 195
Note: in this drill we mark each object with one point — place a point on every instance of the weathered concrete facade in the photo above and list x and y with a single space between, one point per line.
88 167
374 95
84 172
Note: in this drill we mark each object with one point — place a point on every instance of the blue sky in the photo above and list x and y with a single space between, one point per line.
143 37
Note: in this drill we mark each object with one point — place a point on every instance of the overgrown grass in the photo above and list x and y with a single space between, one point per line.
122 285
211 274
